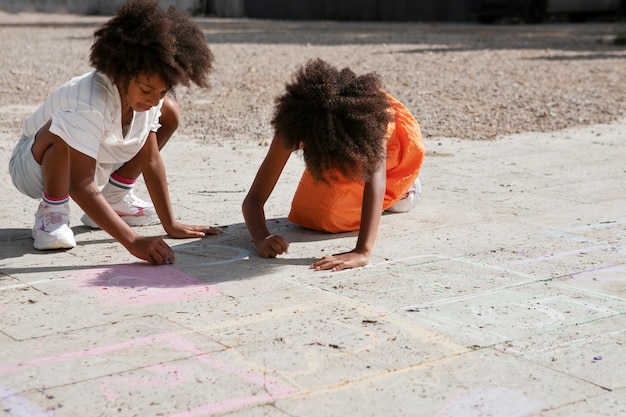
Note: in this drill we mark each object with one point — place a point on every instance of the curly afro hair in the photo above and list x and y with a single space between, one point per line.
337 118
144 38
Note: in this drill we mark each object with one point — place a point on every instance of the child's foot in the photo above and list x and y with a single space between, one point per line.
133 210
409 200
52 227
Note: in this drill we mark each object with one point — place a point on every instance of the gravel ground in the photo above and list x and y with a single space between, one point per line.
460 80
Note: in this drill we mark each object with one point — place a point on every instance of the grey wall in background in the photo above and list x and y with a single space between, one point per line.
385 10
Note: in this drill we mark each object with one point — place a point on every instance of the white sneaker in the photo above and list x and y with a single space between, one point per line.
133 210
409 200
52 227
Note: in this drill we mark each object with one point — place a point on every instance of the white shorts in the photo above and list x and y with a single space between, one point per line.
25 171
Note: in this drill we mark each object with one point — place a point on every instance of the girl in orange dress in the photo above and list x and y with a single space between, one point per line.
362 150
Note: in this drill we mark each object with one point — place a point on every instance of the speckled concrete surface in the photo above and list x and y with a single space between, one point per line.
502 294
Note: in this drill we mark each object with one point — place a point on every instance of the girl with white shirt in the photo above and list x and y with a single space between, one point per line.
93 136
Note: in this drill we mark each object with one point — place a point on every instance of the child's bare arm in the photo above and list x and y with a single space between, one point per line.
85 193
267 245
373 196
371 210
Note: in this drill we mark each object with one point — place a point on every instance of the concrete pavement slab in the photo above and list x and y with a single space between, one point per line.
449 388
599 351
606 405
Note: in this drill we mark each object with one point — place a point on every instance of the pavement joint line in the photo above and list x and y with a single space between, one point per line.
452 300
597 225
595 294
581 239
554 256
21 285
564 346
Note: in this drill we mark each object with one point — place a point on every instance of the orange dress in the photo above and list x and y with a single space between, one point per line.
337 207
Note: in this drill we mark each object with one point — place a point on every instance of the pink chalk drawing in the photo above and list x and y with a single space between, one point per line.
113 387
141 284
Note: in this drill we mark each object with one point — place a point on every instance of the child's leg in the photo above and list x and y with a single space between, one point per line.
40 168
52 154
119 190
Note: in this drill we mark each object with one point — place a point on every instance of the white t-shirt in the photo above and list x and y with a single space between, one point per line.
86 113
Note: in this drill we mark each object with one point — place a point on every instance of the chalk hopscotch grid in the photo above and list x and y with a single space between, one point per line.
397 266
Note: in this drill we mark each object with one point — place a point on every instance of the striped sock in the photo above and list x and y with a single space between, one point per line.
120 182
55 201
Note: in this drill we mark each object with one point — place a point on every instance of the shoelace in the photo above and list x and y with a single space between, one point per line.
132 200
54 218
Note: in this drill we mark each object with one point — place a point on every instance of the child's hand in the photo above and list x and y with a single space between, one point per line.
340 261
182 231
272 246
153 250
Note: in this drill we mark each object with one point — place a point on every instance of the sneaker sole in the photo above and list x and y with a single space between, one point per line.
56 244
140 221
